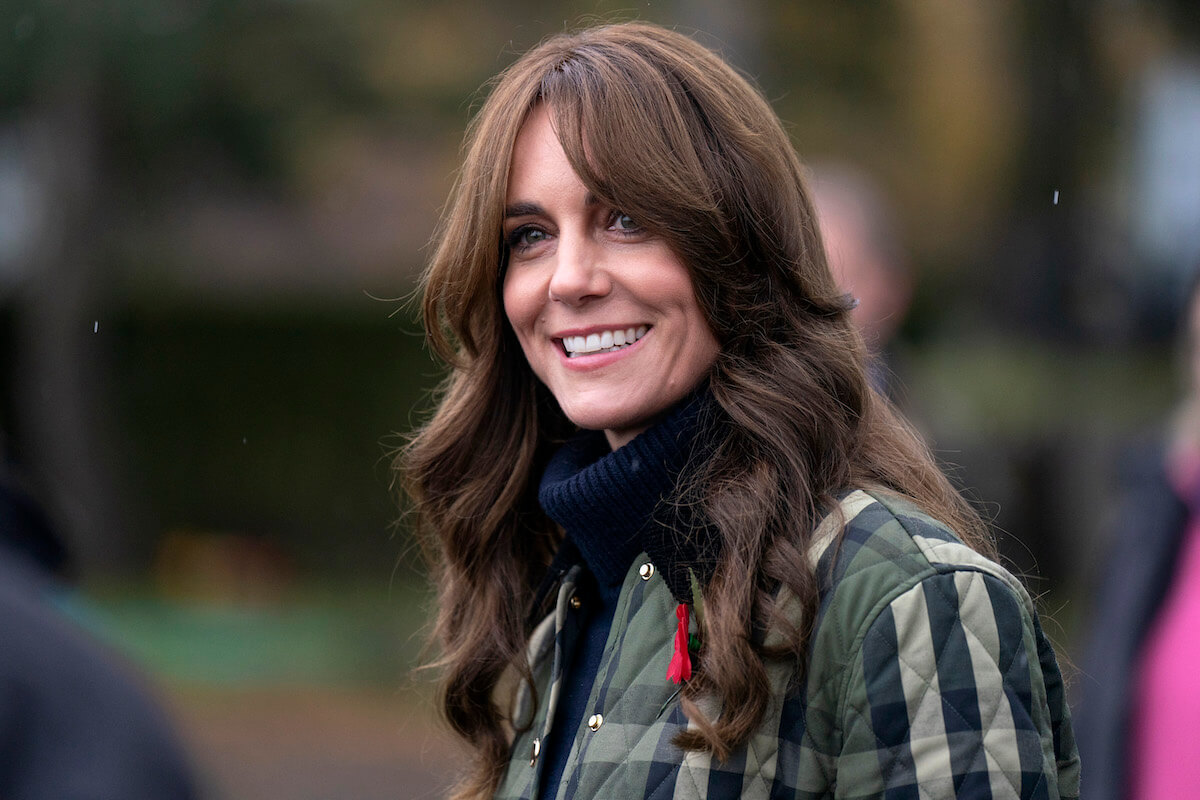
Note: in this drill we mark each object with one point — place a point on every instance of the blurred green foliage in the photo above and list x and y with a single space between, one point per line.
172 80
328 633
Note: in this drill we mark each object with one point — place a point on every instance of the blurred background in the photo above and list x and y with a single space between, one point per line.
212 212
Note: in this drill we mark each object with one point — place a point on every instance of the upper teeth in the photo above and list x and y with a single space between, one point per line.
604 340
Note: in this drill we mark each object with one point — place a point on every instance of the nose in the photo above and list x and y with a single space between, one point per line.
579 272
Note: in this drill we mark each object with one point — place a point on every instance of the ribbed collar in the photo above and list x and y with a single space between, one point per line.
614 504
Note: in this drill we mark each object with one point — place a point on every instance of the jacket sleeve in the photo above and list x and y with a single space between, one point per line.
955 693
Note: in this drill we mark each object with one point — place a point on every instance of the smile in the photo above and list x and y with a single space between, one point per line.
602 342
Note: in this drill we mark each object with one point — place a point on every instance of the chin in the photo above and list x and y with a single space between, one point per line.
601 422
607 419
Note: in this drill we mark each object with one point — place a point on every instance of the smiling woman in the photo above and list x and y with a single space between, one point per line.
604 311
681 548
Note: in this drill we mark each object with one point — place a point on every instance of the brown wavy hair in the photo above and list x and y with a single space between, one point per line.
660 127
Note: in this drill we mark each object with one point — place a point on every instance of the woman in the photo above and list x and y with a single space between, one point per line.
1141 694
682 549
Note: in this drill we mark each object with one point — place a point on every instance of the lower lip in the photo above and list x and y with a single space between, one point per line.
598 360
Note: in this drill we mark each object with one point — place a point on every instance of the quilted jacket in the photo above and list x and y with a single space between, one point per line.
929 677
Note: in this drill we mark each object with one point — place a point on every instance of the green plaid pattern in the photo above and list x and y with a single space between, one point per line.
929 678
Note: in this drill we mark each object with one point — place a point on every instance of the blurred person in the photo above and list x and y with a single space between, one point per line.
681 547
74 722
865 256
1140 697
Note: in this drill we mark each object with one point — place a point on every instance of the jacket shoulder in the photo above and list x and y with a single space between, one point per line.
921 637
870 552
884 544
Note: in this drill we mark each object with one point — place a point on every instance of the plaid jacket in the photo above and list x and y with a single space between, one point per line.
929 678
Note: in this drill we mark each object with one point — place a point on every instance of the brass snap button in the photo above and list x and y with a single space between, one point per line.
595 721
646 571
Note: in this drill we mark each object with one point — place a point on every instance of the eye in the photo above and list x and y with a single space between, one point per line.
525 237
624 223
530 236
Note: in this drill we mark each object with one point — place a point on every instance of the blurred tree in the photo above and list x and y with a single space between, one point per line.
114 104
1038 275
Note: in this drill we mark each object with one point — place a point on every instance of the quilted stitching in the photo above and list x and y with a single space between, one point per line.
889 552
930 694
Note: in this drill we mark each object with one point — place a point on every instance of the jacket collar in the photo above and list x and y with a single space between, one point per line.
616 504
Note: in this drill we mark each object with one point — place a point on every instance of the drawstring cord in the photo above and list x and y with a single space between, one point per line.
681 662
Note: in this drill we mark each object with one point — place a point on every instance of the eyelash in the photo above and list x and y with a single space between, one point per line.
514 244
513 240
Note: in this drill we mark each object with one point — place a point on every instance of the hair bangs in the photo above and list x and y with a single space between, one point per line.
628 132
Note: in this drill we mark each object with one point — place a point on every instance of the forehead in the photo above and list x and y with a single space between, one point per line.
539 164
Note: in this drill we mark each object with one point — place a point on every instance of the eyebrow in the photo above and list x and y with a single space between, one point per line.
524 209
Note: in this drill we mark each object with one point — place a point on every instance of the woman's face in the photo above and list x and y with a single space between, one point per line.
605 313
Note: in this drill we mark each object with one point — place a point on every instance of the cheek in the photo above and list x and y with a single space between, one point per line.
514 302
703 354
521 309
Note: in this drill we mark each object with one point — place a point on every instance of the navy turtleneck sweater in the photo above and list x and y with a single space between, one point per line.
611 506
